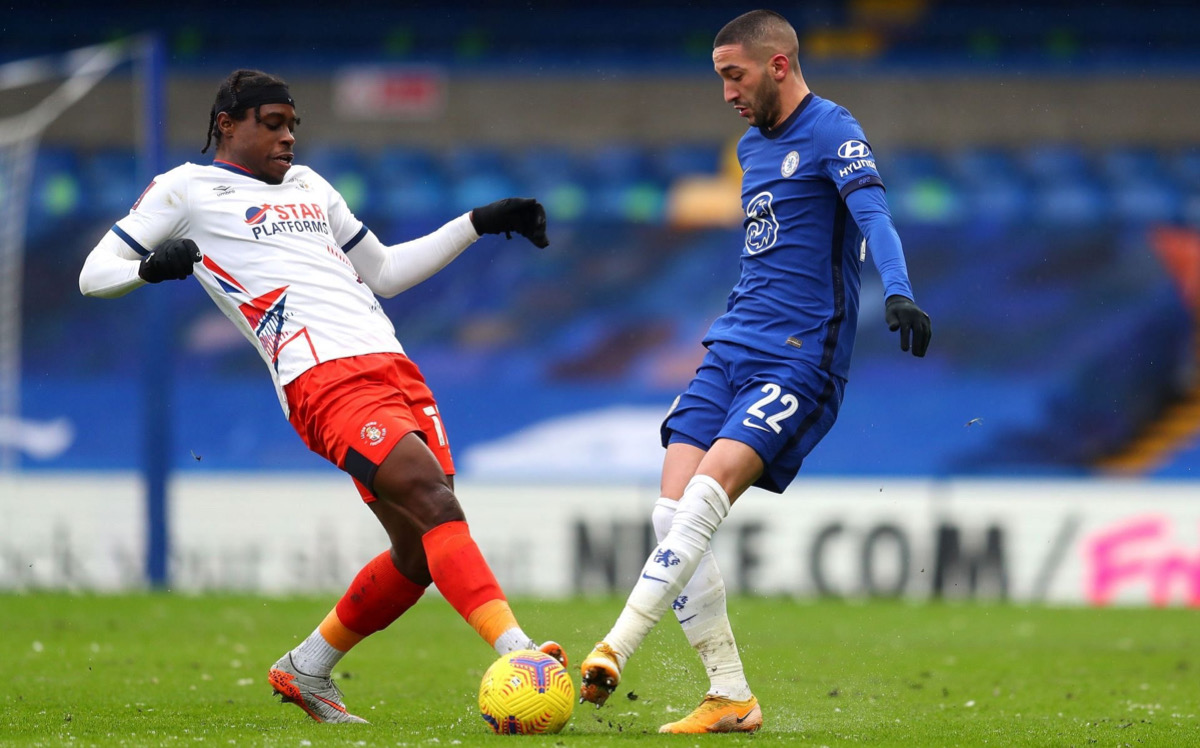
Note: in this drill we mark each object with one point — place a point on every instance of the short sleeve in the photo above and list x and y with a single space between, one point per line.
843 153
159 214
346 228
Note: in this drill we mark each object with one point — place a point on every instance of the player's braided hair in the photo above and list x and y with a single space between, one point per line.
232 97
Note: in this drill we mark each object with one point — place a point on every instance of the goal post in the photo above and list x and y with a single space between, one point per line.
156 357
71 76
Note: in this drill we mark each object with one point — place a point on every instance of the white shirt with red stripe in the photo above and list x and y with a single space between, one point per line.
274 261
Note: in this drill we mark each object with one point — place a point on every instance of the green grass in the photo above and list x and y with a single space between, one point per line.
190 671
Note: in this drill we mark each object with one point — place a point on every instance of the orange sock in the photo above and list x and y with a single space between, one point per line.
466 581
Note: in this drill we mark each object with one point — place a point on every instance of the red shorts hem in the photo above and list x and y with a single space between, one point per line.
353 411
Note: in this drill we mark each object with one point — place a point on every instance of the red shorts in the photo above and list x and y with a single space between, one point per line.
352 411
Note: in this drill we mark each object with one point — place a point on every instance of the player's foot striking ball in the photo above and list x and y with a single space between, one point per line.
599 675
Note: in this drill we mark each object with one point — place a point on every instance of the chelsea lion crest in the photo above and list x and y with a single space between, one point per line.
790 162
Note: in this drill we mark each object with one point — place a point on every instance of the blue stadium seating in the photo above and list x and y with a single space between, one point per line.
1053 184
112 182
993 189
347 169
1035 265
56 190
410 183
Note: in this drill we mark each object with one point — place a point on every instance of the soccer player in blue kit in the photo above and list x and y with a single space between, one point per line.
771 383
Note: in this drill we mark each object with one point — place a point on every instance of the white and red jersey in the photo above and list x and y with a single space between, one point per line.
274 261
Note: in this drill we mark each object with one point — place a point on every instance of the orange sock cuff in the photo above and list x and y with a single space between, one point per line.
464 577
492 619
335 632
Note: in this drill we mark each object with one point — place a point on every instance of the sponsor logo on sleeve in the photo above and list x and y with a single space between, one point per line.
860 152
853 149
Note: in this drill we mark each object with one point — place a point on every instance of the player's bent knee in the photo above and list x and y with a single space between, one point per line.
425 498
409 560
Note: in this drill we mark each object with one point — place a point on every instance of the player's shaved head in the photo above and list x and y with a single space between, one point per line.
762 33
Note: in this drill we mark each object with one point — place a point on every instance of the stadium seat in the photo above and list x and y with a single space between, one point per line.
686 159
1128 164
112 182
1184 166
1066 189
460 162
920 189
409 184
553 175
56 188
345 168
994 192
1143 200
622 185
1055 163
1069 205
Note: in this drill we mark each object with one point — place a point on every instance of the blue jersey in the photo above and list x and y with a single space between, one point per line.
798 292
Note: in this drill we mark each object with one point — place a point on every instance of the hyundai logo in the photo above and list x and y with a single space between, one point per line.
853 149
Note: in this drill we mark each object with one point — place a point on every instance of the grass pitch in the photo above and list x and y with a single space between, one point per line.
184 671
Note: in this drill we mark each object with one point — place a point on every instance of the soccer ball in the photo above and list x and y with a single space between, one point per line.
526 693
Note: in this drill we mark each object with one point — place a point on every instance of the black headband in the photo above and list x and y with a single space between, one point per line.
271 93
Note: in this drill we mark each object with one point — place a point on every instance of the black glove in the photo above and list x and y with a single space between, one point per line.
904 315
523 215
171 260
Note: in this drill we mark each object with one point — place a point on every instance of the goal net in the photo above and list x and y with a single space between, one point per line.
68 78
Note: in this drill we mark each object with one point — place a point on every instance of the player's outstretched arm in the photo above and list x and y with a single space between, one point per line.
522 215
389 270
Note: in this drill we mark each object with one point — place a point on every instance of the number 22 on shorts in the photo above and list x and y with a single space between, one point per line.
789 402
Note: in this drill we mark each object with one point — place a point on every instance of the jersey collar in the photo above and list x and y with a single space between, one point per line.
235 168
787 123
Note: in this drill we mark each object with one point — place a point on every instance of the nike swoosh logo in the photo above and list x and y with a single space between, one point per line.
341 708
656 579
748 423
742 718
685 620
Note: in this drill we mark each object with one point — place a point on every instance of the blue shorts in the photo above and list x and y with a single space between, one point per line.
779 407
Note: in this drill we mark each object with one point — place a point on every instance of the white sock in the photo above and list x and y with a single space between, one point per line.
512 640
701 611
315 656
698 515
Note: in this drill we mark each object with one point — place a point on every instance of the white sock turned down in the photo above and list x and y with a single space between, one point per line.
702 614
671 565
315 656
512 640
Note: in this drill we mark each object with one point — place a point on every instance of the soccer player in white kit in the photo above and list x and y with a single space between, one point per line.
282 256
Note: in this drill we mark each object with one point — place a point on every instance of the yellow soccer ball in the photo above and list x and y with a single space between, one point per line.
526 693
